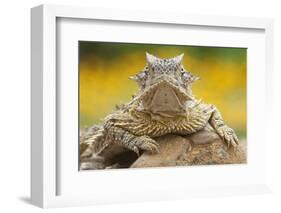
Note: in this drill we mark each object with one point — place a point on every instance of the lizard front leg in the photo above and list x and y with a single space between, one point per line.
225 132
129 140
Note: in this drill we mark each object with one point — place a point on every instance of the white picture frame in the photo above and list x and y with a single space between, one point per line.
46 170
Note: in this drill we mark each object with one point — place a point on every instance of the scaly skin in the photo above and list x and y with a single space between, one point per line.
163 105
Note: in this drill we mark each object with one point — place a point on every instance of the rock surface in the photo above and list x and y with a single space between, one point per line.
172 148
202 148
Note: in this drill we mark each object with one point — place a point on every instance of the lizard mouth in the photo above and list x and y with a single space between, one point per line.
165 98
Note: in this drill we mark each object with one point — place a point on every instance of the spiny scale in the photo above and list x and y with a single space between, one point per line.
153 128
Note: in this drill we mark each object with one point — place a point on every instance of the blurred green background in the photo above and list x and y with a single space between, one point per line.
105 69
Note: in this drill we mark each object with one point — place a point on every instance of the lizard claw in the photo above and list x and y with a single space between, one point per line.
148 144
136 150
228 136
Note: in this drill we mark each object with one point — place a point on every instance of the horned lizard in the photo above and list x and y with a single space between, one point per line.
164 104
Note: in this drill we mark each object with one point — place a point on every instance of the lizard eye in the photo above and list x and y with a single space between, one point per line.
142 75
185 76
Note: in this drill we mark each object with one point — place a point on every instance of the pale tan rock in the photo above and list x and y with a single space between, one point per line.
214 153
201 148
207 149
204 136
172 147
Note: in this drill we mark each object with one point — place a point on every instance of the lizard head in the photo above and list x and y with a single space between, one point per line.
165 85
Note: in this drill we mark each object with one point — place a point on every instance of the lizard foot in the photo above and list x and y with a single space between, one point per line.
145 143
228 135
